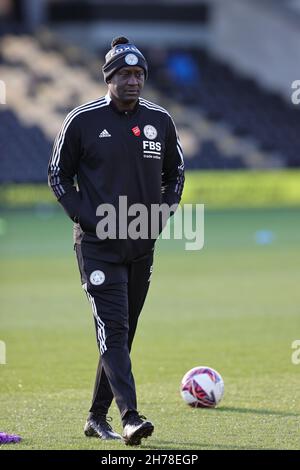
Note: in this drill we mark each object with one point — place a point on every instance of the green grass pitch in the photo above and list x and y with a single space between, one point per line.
233 306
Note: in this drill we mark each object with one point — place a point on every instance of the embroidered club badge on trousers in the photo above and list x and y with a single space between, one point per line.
97 278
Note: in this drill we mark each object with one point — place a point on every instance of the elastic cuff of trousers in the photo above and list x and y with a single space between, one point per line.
98 413
126 414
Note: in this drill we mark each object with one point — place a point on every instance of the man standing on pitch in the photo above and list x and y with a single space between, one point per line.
117 146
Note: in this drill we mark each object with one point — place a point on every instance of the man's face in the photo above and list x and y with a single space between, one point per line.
127 83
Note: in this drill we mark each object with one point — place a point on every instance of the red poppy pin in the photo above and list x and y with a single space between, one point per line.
136 130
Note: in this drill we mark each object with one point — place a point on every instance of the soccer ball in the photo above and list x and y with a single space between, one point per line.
202 387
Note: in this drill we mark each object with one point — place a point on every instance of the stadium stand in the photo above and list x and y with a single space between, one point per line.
225 120
249 111
43 84
22 154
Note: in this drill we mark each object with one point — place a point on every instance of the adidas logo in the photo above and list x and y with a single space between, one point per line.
104 133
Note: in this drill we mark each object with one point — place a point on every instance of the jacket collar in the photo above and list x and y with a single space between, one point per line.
113 106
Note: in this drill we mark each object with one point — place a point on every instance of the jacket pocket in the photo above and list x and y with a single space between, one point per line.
87 220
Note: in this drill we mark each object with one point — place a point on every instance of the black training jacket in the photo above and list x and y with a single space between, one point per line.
100 154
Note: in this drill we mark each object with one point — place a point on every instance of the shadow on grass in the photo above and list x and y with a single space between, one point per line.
257 411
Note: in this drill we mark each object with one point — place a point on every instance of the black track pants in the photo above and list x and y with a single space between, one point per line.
117 294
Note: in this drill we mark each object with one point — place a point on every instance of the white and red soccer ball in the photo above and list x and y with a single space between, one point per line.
202 387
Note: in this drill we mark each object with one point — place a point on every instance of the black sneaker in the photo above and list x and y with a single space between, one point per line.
136 428
98 426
